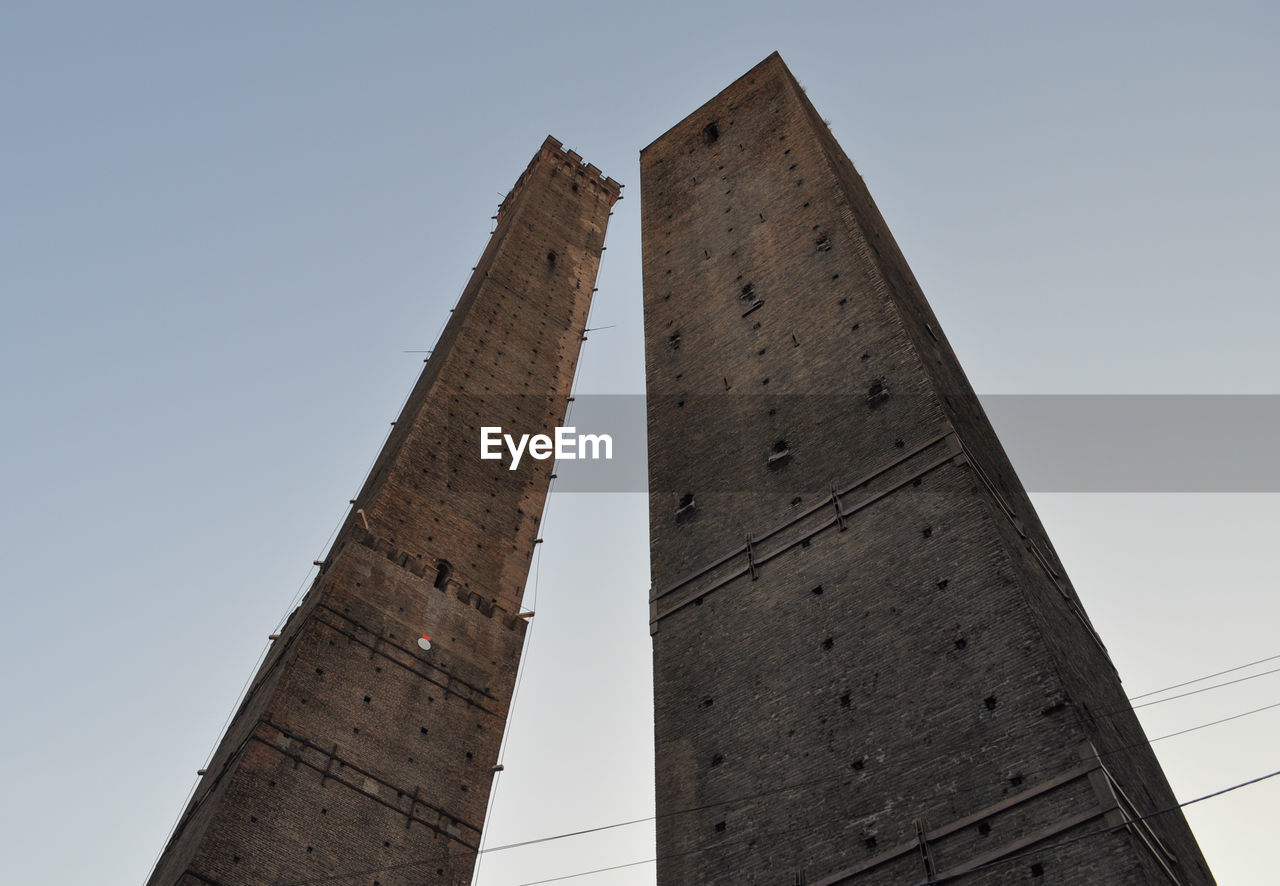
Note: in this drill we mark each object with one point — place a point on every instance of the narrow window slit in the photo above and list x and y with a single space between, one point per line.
686 507
443 571
781 455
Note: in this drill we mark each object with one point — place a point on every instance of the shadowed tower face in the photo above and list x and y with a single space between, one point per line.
869 664
357 751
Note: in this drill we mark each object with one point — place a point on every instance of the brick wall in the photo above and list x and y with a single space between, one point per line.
356 751
861 633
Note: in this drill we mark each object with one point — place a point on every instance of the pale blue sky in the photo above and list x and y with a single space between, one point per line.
223 224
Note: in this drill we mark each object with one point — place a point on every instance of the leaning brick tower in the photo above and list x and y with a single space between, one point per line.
357 756
869 664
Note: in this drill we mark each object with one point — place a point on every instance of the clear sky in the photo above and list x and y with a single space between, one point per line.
224 225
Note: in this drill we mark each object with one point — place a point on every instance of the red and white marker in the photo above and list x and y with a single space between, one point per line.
424 642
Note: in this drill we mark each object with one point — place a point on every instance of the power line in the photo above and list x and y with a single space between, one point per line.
1104 831
672 814
788 787
942 878
632 864
1205 725
578 833
616 867
730 802
824 779
1205 689
828 778
1205 677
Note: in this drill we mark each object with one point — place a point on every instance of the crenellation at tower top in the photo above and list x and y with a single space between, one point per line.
552 149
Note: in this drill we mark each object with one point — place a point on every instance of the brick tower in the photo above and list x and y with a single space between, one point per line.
869 663
356 751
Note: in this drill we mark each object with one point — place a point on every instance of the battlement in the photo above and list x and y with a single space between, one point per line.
553 151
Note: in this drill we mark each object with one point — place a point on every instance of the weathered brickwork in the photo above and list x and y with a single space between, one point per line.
869 662
355 751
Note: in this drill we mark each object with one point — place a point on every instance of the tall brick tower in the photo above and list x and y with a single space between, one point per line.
358 756
869 663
